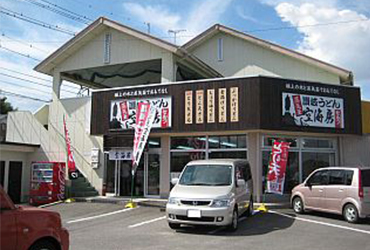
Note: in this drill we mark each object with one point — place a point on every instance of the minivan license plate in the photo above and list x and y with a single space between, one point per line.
194 214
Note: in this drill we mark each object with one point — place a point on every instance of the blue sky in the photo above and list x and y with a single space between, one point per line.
335 31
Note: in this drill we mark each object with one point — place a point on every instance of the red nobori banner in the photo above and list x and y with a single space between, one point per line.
70 158
277 167
144 121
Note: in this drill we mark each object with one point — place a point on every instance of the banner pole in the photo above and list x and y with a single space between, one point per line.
131 203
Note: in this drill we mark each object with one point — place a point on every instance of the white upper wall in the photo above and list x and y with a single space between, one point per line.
242 58
124 49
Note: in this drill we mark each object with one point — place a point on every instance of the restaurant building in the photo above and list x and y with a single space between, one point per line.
223 94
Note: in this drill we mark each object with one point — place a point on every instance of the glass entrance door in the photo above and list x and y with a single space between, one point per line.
152 173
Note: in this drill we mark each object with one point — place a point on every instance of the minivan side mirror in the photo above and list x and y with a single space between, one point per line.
240 182
174 181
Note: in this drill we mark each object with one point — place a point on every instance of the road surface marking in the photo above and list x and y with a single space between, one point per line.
147 222
322 223
100 215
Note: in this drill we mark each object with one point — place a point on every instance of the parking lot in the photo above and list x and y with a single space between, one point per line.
111 226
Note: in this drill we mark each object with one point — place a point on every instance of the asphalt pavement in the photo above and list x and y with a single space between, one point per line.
111 226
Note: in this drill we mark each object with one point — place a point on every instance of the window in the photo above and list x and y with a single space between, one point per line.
188 143
317 143
243 171
312 161
207 175
2 173
337 177
227 141
268 141
365 178
220 49
186 149
318 178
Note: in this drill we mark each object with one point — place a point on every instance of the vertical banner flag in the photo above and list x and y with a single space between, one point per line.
144 120
277 167
73 174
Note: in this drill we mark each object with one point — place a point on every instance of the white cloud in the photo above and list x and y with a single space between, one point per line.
158 16
342 44
200 17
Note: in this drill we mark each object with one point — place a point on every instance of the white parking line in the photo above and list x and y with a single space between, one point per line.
147 222
100 215
322 223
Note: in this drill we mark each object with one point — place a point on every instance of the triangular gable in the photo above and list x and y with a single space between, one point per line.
344 74
89 33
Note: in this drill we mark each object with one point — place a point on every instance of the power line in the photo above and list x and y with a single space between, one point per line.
306 26
64 9
14 71
33 82
22 96
39 78
28 45
18 53
22 17
61 11
18 85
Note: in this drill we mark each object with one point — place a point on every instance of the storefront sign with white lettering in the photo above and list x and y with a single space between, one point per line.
234 107
188 107
123 112
199 106
313 111
222 105
121 155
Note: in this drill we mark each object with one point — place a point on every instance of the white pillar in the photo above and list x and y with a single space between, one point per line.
254 158
57 83
164 179
168 68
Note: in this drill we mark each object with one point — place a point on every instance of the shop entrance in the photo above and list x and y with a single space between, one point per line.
146 181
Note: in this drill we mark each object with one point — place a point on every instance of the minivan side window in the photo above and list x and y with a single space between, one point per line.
340 177
337 177
243 171
318 178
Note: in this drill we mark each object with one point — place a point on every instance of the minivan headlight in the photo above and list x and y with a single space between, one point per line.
173 200
221 203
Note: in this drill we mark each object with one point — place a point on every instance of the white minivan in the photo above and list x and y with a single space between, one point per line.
211 192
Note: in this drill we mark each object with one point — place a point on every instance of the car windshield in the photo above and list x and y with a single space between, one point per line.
207 175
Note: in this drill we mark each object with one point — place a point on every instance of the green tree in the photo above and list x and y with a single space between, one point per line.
5 106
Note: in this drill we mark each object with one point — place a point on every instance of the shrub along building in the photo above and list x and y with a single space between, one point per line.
224 94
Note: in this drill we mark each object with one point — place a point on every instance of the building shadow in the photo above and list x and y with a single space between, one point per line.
259 224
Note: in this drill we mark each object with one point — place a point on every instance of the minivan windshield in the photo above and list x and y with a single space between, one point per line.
207 175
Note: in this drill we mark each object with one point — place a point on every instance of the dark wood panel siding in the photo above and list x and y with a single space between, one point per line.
260 107
271 106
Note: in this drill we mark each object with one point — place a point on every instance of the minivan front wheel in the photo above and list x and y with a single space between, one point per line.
234 223
350 213
298 205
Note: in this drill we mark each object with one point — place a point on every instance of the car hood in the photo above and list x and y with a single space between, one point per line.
201 192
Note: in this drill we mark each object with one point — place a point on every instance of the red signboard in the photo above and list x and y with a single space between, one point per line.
338 118
165 118
124 110
297 104
277 167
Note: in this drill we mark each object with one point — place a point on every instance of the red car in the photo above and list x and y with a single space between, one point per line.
30 228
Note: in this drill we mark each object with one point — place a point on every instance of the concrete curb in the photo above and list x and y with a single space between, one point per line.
160 203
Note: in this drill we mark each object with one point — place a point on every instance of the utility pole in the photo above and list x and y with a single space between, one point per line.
175 34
